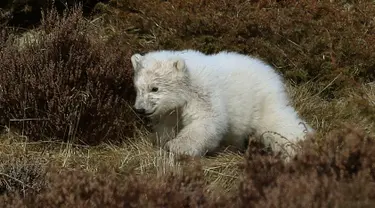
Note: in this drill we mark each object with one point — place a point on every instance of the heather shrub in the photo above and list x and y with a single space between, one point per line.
326 173
67 83
27 13
21 174
77 188
329 43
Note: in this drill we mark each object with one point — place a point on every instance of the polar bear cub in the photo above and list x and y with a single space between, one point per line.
198 102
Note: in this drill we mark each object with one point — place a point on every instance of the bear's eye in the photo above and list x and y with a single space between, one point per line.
154 89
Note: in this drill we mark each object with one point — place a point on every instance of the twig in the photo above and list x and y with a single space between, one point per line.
18 180
221 174
28 119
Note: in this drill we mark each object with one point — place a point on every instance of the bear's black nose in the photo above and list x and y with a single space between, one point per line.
140 110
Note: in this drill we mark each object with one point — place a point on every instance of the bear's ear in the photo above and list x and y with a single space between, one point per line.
179 65
136 61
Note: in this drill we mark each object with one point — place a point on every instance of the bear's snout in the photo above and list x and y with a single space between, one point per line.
140 110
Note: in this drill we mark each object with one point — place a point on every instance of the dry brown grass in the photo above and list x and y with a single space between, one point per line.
136 155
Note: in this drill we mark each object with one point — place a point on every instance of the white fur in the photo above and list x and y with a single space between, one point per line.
204 101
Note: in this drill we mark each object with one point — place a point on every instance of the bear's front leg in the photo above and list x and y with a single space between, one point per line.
165 129
197 138
162 134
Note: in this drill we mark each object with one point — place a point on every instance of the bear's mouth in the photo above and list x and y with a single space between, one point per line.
150 113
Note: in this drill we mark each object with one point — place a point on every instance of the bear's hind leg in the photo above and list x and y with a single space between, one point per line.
281 130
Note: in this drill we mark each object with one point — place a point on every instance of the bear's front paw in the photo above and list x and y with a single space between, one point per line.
181 148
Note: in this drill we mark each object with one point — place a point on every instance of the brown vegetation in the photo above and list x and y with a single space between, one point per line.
338 173
27 13
64 83
71 139
305 40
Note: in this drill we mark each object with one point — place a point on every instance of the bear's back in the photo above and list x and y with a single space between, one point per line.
227 71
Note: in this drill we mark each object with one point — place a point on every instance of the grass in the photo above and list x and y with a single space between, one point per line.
136 155
94 152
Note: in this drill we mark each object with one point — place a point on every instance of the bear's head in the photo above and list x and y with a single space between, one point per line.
160 84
